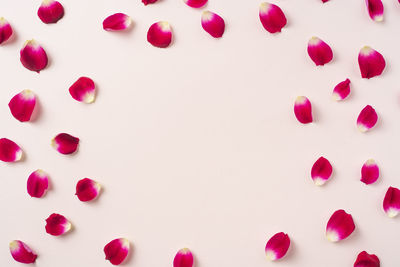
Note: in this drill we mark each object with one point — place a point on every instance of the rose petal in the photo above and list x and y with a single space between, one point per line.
277 246
324 1
369 172
213 24
367 119
367 260
87 189
117 22
160 34
371 62
117 250
33 56
9 151
5 30
319 51
83 90
341 90
146 2
195 3
50 11
391 202
303 110
184 258
21 252
22 105
321 171
65 143
57 224
375 9
38 183
339 226
272 17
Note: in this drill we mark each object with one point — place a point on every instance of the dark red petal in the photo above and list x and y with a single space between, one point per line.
83 90
65 143
117 250
21 252
57 224
321 171
341 90
213 24
339 226
391 203
319 51
50 11
160 34
367 260
272 17
184 258
371 62
117 22
303 110
5 30
9 151
22 105
369 172
38 183
277 246
375 9
87 189
367 119
33 56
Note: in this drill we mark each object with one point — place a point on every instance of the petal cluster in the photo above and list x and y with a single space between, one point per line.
321 171
339 226
21 252
195 3
367 260
303 110
375 9
371 62
9 151
87 189
38 183
57 224
5 30
391 202
22 105
184 258
117 22
277 246
33 57
50 11
369 172
319 51
83 90
272 17
160 34
213 24
65 143
367 119
341 90
117 250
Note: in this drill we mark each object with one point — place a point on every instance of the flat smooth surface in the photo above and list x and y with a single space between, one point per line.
197 145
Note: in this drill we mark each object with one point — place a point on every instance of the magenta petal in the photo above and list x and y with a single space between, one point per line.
319 51
33 56
277 246
303 110
321 171
50 11
195 3
272 17
83 90
117 22
9 151
391 203
65 143
22 105
21 252
367 119
38 183
324 1
57 224
87 189
213 24
369 172
342 90
5 30
184 258
339 226
160 34
371 62
146 2
375 9
367 260
117 250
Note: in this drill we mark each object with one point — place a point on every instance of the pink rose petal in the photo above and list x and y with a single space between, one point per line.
324 1
367 119
21 252
319 51
57 224
83 90
375 9
184 258
321 171
371 62
65 143
22 105
9 151
50 11
213 24
367 260
146 2
160 34
117 22
5 30
303 110
341 90
391 203
272 17
38 183
339 226
369 172
195 3
87 189
277 246
33 56
117 250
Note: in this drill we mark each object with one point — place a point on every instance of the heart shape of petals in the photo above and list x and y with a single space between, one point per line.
50 11
146 2
33 57
65 143
319 51
21 252
391 202
213 24
367 119
367 260
87 189
339 226
303 110
117 22
38 183
5 30
272 17
160 34
277 246
22 105
321 171
341 90
371 62
184 258
9 151
375 9
117 250
83 90
195 3
57 224
369 172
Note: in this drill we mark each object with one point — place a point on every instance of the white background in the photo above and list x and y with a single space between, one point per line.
196 145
